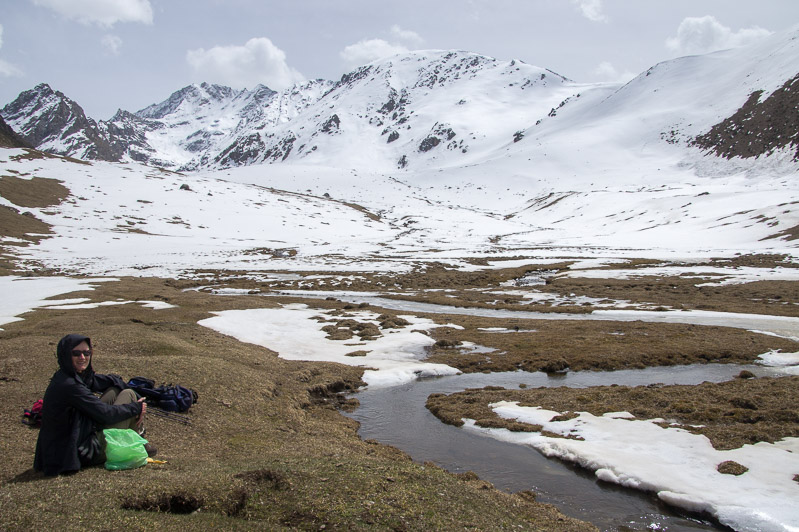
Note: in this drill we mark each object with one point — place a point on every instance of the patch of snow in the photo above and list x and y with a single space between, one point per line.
155 305
295 334
778 359
678 466
724 276
24 294
471 347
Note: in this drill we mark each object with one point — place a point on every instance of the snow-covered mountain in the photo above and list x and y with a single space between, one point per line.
424 156
391 113
439 109
49 121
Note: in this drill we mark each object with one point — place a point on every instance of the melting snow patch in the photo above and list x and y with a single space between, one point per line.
233 291
23 294
295 333
680 467
789 362
155 305
723 276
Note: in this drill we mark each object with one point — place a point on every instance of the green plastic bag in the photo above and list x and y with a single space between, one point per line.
124 449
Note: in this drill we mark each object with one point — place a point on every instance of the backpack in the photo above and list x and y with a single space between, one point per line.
169 397
33 417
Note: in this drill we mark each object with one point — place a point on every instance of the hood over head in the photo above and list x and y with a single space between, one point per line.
64 353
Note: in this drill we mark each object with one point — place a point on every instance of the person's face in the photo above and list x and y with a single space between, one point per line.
81 362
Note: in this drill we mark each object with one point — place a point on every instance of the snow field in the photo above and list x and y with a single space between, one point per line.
133 219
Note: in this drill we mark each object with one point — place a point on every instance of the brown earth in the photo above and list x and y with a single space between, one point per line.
266 449
19 223
27 193
758 127
22 225
33 192
558 345
778 298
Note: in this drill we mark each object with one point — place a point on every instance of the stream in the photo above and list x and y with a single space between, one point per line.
397 416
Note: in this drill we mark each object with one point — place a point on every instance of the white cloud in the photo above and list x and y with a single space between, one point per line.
605 71
258 61
369 50
104 13
7 69
591 9
411 37
111 43
699 35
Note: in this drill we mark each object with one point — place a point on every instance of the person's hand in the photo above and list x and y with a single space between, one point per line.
143 410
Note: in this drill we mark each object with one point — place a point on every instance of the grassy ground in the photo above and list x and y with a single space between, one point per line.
266 448
552 346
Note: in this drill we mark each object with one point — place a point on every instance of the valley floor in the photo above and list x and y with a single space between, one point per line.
267 447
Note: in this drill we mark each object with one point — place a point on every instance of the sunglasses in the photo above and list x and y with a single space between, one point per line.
77 352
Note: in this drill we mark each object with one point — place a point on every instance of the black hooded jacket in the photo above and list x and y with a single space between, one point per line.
71 411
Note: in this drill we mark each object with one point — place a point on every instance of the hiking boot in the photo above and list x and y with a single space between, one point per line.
151 449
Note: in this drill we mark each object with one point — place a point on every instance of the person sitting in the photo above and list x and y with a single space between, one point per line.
73 416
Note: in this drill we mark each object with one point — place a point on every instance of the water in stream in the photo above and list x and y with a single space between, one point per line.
397 416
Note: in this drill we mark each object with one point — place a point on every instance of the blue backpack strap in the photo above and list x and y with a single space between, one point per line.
141 382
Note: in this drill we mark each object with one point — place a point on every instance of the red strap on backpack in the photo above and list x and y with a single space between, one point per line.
33 417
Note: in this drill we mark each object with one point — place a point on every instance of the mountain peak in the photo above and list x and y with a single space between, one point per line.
48 120
192 96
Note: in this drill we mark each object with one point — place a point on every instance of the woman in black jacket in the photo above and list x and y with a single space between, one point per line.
73 415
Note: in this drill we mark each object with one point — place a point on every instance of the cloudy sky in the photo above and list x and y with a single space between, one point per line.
110 54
